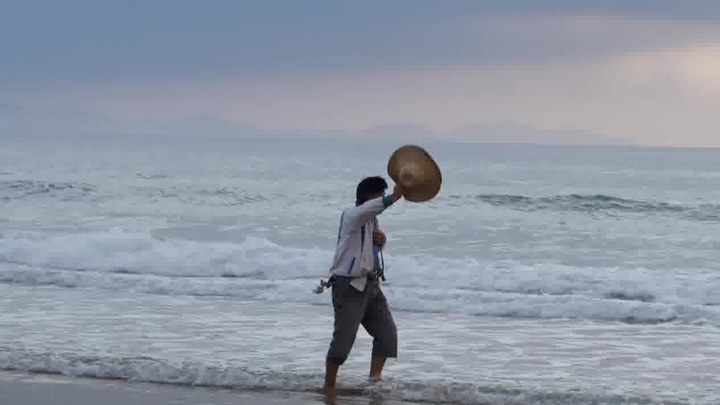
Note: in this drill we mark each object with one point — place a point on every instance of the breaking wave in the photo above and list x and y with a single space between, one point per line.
258 269
18 189
599 203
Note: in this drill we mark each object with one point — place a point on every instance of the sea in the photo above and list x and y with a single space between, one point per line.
538 275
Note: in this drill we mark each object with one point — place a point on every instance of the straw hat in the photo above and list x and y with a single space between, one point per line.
415 171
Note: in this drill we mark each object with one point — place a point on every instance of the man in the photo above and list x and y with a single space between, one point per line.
355 281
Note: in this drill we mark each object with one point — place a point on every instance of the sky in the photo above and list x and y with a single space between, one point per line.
571 72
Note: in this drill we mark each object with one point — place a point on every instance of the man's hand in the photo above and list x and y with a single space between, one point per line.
397 193
379 238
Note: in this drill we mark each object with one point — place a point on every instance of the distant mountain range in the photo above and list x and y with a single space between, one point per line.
18 122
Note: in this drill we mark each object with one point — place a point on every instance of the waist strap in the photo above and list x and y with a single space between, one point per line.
345 279
336 279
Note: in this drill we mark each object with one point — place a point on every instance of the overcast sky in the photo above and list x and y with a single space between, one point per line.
645 72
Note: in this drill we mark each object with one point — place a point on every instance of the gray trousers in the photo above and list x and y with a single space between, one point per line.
368 308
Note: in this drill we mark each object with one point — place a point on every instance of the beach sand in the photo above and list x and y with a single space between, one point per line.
43 389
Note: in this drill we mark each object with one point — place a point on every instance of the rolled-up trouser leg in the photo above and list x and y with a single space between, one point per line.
349 308
379 323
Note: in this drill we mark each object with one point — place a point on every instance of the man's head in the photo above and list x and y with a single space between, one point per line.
369 188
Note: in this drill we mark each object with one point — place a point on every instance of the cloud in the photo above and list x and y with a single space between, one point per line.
619 76
511 132
18 122
521 39
79 43
693 69
650 97
9 108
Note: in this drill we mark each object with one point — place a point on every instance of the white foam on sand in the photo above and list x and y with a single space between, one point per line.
146 369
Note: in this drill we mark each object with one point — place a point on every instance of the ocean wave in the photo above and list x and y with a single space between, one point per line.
18 189
229 196
404 388
598 203
409 299
118 251
220 196
258 269
151 176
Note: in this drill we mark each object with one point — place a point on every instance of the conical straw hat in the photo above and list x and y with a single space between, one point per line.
415 172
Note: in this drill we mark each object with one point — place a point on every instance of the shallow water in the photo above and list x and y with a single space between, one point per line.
538 275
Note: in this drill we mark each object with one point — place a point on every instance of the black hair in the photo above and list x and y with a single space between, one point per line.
369 186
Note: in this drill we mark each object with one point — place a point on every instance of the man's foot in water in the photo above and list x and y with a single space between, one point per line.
330 394
375 380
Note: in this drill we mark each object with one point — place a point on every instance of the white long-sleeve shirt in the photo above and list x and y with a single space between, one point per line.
354 256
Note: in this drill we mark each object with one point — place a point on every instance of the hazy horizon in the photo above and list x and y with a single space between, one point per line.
559 72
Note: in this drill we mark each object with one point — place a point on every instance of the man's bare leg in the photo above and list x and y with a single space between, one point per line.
331 371
330 395
376 367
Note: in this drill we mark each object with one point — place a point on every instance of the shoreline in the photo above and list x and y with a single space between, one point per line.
41 389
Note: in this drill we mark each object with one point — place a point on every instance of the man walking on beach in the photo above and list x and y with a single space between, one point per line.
357 266
355 281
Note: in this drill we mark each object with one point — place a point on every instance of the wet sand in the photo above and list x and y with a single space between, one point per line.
42 389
